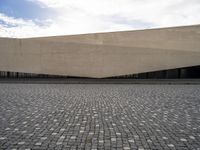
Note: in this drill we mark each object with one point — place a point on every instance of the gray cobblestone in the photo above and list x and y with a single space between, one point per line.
92 116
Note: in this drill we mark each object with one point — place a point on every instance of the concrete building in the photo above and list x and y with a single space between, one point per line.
154 53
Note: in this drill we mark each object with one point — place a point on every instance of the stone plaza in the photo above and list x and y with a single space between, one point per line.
99 116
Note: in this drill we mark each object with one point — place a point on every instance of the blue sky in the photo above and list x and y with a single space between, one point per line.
24 9
33 18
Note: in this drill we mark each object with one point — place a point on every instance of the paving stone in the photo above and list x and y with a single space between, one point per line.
99 116
183 140
38 143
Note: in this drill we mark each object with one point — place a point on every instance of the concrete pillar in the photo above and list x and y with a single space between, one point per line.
143 76
172 74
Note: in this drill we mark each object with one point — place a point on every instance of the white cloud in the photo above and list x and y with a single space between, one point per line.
12 27
86 16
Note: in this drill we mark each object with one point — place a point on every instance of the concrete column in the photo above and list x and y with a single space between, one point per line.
172 74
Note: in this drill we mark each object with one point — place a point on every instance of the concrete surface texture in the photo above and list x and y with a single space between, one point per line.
103 54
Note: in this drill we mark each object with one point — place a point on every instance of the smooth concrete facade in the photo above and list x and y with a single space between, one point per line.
103 54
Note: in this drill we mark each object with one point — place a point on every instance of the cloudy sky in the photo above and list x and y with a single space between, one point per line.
33 18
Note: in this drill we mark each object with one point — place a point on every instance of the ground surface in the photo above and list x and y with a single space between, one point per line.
92 116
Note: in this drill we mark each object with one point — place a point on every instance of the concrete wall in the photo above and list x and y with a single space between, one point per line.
103 54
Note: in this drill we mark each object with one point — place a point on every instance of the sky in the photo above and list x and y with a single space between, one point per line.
36 18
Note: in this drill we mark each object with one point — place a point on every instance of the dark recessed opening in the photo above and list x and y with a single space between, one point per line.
179 73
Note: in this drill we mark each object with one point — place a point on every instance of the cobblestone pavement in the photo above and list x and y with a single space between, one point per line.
91 116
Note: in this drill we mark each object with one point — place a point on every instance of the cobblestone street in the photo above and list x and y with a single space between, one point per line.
99 116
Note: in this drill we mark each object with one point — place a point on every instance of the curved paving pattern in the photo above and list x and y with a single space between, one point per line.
38 116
